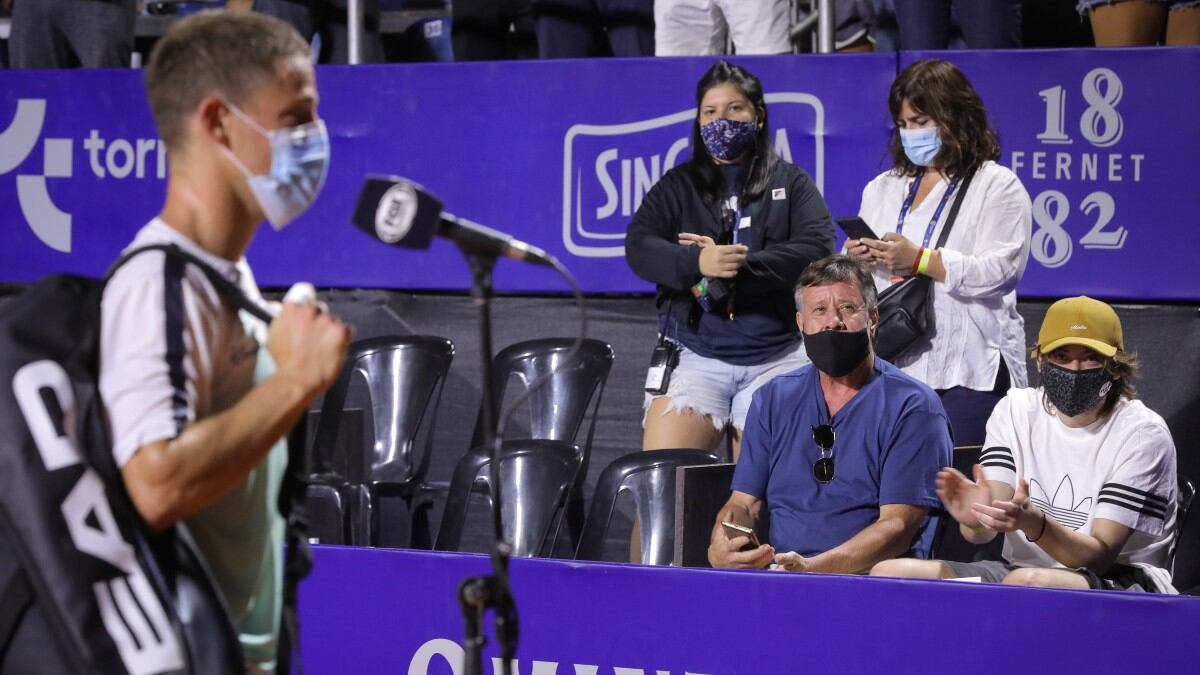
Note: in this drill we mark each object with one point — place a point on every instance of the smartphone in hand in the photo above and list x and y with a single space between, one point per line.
856 228
733 530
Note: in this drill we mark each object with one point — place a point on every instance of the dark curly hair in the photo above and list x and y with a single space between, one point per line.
939 89
702 167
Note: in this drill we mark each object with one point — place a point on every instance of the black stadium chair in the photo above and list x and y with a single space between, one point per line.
649 476
536 478
1185 552
404 376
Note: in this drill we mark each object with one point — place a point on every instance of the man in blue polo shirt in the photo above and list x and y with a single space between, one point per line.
842 453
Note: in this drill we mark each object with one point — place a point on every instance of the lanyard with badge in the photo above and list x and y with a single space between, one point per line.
912 194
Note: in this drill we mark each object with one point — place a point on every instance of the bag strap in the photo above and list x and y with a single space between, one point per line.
958 200
226 287
297 562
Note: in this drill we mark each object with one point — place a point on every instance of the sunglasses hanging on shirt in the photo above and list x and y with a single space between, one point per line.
824 436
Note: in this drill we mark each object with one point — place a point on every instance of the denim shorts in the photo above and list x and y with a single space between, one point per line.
1084 5
720 390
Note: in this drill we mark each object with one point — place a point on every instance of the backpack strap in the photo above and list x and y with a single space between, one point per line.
297 562
226 287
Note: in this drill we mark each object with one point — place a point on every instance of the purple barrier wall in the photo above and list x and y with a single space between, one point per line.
560 153
375 610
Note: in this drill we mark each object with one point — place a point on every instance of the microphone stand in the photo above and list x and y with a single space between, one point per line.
477 594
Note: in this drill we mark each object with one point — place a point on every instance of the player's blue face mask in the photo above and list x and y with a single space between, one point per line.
921 145
299 164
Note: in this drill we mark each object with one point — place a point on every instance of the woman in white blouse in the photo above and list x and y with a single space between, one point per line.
975 349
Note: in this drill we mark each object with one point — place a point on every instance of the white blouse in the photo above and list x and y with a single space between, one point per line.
975 309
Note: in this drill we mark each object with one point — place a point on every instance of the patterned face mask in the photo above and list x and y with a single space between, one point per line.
1074 392
728 140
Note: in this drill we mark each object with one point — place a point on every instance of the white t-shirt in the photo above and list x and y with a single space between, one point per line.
173 351
975 309
1120 468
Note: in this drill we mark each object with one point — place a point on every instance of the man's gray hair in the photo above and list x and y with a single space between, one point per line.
839 269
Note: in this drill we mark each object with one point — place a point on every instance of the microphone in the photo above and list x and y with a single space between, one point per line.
400 212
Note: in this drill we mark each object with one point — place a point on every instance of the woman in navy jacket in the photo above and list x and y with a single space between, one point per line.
724 237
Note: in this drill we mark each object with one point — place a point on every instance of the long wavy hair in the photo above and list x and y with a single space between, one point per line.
939 89
702 167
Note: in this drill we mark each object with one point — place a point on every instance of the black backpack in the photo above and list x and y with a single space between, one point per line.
117 597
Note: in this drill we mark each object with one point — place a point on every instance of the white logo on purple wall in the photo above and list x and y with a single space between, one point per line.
609 168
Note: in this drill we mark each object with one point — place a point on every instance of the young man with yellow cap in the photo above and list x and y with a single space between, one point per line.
1077 474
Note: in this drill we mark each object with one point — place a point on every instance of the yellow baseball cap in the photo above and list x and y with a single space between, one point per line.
1081 321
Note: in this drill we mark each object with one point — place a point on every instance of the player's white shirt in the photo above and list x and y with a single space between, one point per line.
1120 468
172 352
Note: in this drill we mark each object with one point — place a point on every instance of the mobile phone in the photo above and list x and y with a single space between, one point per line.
733 530
856 228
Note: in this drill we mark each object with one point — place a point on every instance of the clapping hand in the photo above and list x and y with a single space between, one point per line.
1008 516
958 493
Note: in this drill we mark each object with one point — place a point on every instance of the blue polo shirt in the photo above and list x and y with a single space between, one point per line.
892 438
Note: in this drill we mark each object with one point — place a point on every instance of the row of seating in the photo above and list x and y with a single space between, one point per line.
541 473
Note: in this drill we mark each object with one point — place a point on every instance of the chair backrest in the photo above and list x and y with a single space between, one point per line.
1185 551
536 476
404 376
649 477
558 408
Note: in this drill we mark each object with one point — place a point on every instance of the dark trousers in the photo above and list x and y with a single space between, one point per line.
984 24
493 30
969 409
72 33
327 20
586 28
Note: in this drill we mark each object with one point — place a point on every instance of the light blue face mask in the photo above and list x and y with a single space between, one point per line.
299 164
921 145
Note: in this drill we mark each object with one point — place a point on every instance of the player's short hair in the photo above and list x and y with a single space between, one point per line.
218 53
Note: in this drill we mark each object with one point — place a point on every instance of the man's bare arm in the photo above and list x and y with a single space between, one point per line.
889 536
172 479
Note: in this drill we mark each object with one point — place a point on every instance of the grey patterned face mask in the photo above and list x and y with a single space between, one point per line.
1074 392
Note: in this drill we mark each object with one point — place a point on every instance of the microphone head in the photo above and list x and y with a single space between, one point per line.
397 211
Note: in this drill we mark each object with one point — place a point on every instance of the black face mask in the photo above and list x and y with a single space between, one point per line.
837 352
1074 392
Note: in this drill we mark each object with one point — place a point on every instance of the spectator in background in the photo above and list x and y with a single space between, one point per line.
843 452
587 28
701 27
72 33
975 350
1077 475
855 30
954 24
493 30
1126 23
724 236
327 20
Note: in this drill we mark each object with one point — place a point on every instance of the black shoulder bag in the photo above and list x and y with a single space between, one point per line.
905 308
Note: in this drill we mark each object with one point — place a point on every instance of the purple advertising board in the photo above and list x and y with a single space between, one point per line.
560 154
388 611
1105 142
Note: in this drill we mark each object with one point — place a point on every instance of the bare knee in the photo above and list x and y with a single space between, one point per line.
910 568
1044 578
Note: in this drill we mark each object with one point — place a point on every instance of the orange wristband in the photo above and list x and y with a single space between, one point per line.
917 260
